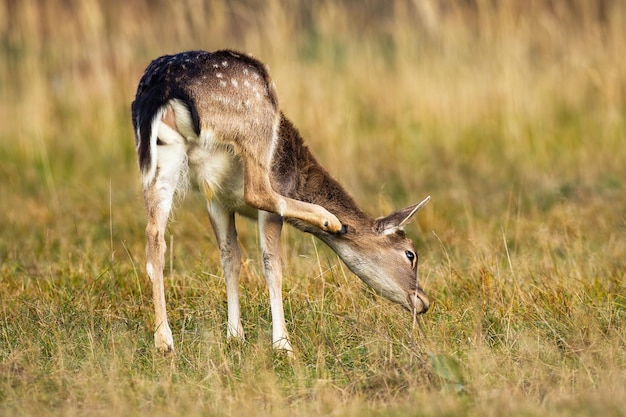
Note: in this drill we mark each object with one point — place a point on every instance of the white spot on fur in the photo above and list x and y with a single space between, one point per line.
219 75
247 83
234 82
223 83
224 64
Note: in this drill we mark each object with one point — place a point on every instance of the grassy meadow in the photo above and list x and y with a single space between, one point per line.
512 115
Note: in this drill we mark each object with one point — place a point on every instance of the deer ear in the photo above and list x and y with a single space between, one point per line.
398 219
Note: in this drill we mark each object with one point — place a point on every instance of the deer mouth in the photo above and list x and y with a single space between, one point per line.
419 302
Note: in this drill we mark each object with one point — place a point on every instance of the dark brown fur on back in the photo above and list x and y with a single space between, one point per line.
175 77
296 173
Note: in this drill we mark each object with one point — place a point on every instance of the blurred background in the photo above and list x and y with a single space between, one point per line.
511 114
497 109
475 102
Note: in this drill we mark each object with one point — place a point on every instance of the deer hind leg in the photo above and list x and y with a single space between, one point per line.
259 193
223 222
270 226
158 198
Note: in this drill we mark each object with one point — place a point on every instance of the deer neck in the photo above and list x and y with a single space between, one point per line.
298 175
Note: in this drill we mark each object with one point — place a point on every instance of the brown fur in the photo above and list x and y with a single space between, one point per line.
297 174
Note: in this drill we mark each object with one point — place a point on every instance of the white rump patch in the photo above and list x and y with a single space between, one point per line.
170 156
169 136
147 174
183 119
207 138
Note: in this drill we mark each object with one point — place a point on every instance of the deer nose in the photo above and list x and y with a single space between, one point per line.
421 304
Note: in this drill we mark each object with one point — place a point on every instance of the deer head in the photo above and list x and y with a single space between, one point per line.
383 257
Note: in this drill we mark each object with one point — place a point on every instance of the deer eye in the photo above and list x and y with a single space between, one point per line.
410 256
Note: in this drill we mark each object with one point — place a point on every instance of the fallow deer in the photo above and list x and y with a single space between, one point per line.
213 119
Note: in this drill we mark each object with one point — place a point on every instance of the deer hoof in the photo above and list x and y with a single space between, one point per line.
163 340
283 346
332 226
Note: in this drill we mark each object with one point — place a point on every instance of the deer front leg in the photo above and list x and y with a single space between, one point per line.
223 222
259 194
270 226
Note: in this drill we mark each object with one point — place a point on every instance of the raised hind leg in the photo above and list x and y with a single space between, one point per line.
257 152
259 194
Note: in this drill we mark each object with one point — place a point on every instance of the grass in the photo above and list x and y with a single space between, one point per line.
512 117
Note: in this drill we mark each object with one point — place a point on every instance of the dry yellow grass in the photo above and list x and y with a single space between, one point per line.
512 115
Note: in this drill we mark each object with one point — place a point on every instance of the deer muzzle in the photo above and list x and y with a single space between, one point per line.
420 301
